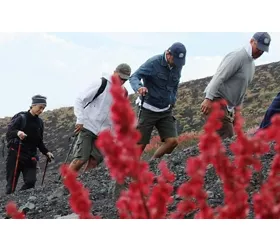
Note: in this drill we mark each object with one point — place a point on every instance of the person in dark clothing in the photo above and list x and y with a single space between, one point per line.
23 144
273 109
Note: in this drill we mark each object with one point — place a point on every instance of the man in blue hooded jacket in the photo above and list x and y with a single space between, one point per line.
161 76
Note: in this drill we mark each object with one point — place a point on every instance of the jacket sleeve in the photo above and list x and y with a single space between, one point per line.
143 71
174 96
13 129
175 90
228 67
84 97
41 144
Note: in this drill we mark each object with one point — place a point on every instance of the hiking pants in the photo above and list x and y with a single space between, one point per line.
227 129
26 166
85 147
164 122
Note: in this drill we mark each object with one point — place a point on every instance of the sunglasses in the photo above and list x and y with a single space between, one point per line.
124 80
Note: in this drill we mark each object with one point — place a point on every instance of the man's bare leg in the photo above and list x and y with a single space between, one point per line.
166 148
91 163
76 165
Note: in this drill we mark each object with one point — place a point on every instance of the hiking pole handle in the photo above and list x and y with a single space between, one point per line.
141 106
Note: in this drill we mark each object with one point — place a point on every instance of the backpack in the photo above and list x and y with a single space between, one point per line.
22 123
100 90
12 121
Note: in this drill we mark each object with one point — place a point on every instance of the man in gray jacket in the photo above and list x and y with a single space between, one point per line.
232 78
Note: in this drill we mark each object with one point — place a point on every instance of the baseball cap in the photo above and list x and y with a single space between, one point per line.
263 40
124 71
178 51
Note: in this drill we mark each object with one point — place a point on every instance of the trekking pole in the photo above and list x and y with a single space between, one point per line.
47 162
141 106
71 147
16 168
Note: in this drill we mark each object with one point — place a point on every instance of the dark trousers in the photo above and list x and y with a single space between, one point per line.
26 166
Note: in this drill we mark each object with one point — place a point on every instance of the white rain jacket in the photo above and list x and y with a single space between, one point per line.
96 117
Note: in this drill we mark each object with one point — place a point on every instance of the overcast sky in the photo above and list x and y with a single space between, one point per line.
59 65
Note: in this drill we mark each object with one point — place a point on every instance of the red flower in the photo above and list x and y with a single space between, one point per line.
12 211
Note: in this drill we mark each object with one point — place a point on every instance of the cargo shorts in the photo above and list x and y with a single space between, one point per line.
85 147
164 122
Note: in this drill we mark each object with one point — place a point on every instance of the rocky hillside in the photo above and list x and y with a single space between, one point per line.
59 124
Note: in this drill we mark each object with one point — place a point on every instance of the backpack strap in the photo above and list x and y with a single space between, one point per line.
100 90
21 117
23 121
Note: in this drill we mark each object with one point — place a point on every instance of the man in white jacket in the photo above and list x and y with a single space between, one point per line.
93 116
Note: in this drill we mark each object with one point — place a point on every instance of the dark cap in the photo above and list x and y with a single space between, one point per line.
178 51
263 40
39 100
124 71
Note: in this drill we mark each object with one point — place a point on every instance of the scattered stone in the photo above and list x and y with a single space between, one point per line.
69 216
27 207
32 198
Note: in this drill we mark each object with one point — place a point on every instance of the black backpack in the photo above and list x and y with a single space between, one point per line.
100 90
22 114
22 123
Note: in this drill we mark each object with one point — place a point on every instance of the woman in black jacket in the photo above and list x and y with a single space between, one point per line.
24 136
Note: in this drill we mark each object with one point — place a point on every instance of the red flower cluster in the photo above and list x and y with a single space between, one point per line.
144 196
119 146
79 196
147 196
12 211
192 192
267 201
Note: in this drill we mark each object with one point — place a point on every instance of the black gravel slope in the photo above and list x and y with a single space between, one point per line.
51 200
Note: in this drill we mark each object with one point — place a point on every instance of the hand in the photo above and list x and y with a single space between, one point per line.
206 106
78 128
143 91
21 135
50 156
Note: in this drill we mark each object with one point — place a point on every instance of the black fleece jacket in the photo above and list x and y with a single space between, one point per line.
34 131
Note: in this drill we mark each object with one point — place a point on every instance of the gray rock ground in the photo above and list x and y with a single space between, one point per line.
51 200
